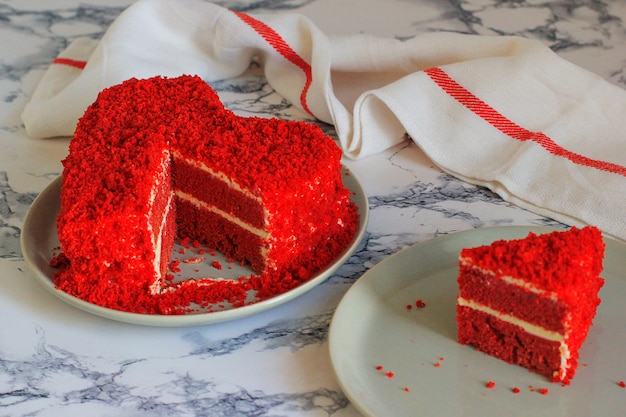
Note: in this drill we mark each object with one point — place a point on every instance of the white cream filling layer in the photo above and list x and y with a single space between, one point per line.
259 232
528 327
158 247
157 238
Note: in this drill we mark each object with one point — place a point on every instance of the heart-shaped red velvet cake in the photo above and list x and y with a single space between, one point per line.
158 158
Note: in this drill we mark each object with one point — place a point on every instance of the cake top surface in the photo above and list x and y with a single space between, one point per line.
139 118
558 261
260 153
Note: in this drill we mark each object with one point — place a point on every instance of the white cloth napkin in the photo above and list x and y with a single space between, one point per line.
502 112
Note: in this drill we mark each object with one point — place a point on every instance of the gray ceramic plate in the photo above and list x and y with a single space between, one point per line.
435 376
39 241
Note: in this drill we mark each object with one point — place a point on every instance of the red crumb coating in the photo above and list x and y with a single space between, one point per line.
258 152
562 269
117 175
557 261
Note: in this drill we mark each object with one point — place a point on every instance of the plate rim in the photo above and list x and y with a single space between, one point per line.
358 196
334 334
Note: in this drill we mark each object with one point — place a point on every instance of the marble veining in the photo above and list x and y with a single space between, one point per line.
55 360
54 376
293 334
13 208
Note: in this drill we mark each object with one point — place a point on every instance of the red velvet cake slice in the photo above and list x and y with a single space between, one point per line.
531 301
154 158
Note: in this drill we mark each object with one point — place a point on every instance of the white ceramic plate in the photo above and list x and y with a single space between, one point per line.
39 241
435 376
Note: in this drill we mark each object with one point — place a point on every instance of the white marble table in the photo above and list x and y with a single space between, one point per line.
57 360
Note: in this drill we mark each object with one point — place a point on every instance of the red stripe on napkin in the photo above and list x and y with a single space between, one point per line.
71 62
509 128
283 48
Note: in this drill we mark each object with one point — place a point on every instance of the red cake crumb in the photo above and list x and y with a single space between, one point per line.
490 384
515 390
379 368
193 260
59 261
175 266
389 374
406 389
542 391
622 384
420 304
